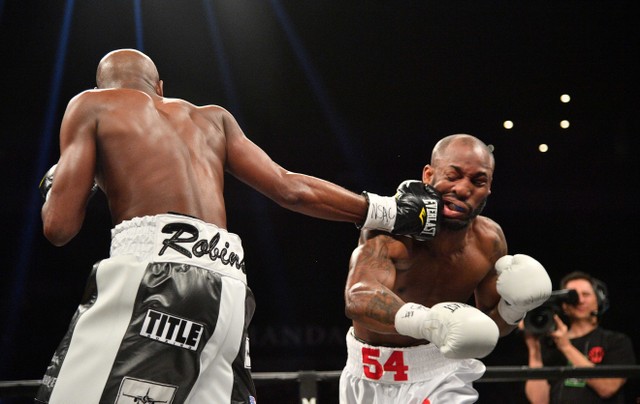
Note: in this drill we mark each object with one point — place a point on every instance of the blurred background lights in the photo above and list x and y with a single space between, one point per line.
565 98
564 124
543 148
507 124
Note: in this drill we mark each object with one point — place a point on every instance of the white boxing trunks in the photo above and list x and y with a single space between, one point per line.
413 375
163 320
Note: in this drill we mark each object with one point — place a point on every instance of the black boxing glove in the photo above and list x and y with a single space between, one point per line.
429 218
415 210
47 182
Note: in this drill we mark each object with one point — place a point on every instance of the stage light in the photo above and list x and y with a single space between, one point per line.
507 124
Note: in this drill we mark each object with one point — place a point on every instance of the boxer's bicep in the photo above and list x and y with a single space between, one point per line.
64 210
372 275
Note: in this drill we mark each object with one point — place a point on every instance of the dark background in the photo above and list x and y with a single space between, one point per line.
355 92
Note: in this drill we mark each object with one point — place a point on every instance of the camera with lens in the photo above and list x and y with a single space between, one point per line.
539 321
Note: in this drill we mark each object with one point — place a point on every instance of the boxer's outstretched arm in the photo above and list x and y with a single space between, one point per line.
412 211
64 209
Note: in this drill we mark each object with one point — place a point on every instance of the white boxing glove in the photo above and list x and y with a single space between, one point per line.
460 331
523 285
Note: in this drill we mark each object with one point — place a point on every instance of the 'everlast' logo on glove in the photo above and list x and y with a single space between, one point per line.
411 192
429 217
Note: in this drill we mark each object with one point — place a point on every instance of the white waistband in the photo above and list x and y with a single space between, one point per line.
181 239
395 365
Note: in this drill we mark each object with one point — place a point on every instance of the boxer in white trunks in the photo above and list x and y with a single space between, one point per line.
414 338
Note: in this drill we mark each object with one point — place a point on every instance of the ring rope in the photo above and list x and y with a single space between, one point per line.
493 374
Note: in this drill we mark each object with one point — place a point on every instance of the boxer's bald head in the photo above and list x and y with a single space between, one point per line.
441 148
128 68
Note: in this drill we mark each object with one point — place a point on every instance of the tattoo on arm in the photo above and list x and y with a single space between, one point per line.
378 302
375 261
383 307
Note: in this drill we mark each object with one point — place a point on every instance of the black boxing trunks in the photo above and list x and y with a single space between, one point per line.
163 320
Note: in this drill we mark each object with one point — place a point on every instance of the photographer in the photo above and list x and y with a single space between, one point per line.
581 343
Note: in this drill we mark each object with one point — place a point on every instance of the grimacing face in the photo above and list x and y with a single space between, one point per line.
463 176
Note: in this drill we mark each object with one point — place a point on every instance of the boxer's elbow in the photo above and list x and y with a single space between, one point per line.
58 231
357 298
293 194
352 311
304 193
56 235
294 201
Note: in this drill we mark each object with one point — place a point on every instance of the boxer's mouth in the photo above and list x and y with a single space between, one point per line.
455 207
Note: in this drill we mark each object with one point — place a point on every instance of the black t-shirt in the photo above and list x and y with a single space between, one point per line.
602 347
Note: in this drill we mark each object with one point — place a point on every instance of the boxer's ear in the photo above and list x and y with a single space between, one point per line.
160 88
427 174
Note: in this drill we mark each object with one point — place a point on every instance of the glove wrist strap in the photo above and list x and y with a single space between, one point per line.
410 319
382 212
509 313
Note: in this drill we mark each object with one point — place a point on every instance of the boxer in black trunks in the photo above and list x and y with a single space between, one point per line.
142 329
